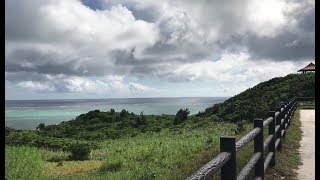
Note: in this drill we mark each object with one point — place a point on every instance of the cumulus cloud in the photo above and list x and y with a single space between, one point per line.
68 37
236 67
136 87
78 45
37 86
73 25
106 86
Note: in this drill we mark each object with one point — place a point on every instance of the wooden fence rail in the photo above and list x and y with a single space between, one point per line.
278 121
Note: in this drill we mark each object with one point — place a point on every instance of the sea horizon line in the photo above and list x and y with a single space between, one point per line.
164 97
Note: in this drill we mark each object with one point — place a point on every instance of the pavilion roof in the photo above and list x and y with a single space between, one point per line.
310 67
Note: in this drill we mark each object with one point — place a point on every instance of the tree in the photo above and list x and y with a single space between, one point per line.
181 116
79 151
112 111
123 113
41 126
140 120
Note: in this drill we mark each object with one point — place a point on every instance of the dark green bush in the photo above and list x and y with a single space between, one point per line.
181 116
79 151
123 113
140 120
41 126
19 138
9 130
32 139
112 111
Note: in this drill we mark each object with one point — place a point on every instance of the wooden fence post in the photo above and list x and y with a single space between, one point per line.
278 133
229 170
291 112
258 147
272 144
283 125
294 106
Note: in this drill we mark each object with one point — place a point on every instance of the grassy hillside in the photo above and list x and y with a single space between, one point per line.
255 102
147 155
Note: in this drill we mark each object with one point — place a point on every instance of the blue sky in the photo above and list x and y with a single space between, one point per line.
59 49
93 4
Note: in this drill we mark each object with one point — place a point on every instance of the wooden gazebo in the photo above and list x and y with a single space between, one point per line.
310 68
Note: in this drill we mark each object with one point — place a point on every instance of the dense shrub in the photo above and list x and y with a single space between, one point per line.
20 138
140 120
41 126
112 111
79 151
9 130
181 116
123 113
98 126
32 139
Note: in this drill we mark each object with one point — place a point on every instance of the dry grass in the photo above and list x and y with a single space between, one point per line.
53 169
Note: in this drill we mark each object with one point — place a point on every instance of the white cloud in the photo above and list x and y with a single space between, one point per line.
238 67
113 85
64 46
74 27
77 84
266 17
36 86
136 87
104 86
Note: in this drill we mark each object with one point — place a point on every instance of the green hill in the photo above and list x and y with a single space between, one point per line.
255 102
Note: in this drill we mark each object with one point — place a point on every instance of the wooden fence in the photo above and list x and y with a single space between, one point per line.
278 121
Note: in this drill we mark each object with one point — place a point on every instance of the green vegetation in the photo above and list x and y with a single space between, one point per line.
121 145
23 163
98 126
79 151
146 155
41 126
34 139
257 101
181 116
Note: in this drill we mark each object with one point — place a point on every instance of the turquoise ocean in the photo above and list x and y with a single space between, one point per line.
27 114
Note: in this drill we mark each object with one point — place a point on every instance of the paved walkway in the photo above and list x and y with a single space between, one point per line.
307 150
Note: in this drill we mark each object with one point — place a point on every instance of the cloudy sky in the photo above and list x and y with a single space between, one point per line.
151 48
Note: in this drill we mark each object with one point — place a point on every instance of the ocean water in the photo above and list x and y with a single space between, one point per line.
27 114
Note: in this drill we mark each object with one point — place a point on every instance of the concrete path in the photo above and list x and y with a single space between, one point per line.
307 150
